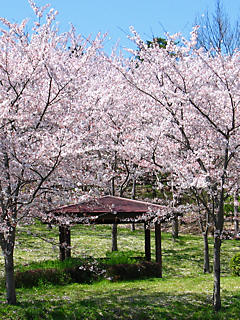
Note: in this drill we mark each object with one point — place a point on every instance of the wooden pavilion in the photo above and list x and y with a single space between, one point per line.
110 210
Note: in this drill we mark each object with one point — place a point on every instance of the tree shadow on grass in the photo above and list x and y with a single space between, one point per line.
174 257
128 303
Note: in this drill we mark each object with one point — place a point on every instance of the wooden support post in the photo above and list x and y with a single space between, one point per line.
68 242
147 242
114 237
61 243
133 197
158 246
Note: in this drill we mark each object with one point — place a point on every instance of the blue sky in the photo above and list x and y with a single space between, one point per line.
149 17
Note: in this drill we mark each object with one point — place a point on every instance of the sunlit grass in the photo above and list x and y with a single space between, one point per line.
183 293
145 299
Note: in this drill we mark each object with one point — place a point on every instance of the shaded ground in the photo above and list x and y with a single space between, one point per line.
148 299
183 293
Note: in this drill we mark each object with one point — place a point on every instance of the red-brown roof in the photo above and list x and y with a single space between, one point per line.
110 209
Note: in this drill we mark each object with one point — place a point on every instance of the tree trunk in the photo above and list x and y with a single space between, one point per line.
62 253
68 242
114 237
206 265
158 246
204 225
175 227
219 221
9 276
64 242
7 246
216 290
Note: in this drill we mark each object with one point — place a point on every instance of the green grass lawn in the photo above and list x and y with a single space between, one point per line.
184 292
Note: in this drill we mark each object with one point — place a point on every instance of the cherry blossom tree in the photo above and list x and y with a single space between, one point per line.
193 99
45 92
115 168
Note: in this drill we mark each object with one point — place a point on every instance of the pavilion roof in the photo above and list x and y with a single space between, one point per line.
111 209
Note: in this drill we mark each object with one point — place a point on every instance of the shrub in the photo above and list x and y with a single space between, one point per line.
31 278
63 272
133 271
120 257
235 264
119 266
90 270
52 264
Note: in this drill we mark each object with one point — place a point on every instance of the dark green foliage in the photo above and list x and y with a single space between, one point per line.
228 206
160 42
32 278
52 264
79 275
155 42
58 272
235 264
139 270
117 266
90 270
120 257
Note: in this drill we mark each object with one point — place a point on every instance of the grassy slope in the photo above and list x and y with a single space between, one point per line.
183 293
